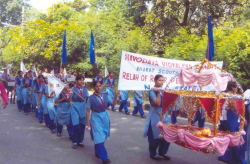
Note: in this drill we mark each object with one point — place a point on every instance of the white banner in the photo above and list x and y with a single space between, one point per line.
73 78
22 67
55 85
106 71
137 71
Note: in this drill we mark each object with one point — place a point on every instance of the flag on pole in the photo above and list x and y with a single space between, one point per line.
106 71
8 67
22 67
92 49
55 85
34 68
210 43
64 49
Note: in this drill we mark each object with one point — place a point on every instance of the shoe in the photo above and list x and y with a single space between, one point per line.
155 158
81 145
53 131
144 116
70 138
74 146
59 134
41 121
114 110
134 114
107 161
97 156
128 113
88 128
166 157
120 110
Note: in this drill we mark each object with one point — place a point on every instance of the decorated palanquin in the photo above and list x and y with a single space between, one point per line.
213 102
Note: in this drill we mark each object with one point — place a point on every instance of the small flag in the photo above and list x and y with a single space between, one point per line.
8 67
55 85
92 49
34 68
22 67
64 73
210 43
64 49
52 72
106 71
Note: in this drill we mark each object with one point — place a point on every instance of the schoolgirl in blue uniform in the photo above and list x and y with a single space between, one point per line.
124 99
18 89
229 121
36 91
99 120
110 84
63 113
47 105
247 127
26 86
78 111
138 101
154 116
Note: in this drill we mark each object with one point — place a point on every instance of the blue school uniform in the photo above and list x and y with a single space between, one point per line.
138 101
26 94
18 82
47 108
124 99
78 114
151 130
236 154
110 90
63 114
199 116
33 101
36 87
247 129
100 122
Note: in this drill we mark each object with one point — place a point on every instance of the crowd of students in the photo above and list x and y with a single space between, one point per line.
78 110
72 107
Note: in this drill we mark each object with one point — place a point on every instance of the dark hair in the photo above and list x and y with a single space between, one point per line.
79 77
25 76
39 76
13 71
67 69
96 82
55 68
230 85
29 71
99 72
110 73
45 69
19 72
157 77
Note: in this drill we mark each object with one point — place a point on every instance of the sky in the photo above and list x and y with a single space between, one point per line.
42 5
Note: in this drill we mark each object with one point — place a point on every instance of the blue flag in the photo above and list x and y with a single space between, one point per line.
92 49
64 49
210 44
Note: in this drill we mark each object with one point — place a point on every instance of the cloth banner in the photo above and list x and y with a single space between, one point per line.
22 67
55 85
8 67
137 71
106 71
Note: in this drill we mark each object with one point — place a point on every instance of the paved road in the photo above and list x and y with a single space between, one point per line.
24 140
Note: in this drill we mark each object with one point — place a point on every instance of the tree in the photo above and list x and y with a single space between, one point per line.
11 11
167 17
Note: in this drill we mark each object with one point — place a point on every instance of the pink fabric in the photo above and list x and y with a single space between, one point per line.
220 144
205 78
3 93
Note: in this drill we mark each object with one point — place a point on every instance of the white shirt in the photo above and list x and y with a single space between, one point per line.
247 95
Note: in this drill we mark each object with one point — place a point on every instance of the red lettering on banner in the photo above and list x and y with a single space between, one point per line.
152 78
124 75
165 79
177 81
144 60
126 57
